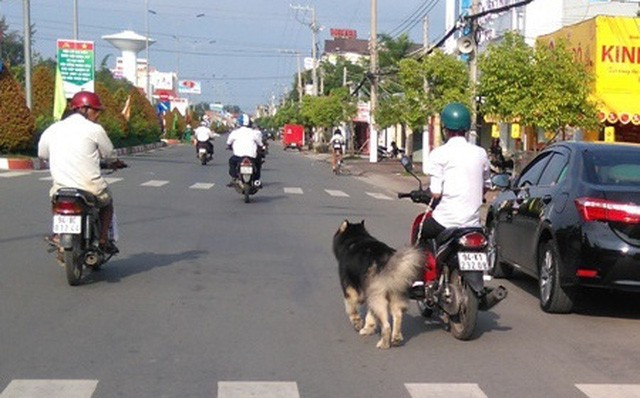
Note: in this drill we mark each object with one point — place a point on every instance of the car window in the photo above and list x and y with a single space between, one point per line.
531 174
613 167
557 164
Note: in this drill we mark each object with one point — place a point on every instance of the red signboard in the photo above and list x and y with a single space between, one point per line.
344 33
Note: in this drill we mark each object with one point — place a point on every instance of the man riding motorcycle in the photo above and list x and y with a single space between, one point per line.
74 147
245 142
202 136
457 173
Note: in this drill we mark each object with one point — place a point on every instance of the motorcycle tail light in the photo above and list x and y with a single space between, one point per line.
473 240
67 208
245 162
592 209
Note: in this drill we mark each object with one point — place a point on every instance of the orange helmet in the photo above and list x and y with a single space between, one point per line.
86 99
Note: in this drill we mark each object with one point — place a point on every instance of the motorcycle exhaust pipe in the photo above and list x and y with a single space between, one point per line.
493 297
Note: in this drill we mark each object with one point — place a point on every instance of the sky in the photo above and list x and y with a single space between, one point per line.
243 51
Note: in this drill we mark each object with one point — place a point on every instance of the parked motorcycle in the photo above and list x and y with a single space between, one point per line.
76 229
203 152
452 288
246 184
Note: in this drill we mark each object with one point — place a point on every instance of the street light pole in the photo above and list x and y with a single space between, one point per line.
146 21
373 72
26 12
75 19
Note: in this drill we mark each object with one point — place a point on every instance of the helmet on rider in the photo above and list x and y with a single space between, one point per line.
85 99
456 118
244 120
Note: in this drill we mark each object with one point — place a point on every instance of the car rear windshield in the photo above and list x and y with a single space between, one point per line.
615 166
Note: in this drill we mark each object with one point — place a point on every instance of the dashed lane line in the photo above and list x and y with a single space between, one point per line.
202 185
238 389
293 190
154 183
50 389
339 194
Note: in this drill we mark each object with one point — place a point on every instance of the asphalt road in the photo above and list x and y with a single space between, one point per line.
212 297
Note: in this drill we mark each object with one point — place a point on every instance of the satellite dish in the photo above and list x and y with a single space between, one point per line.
465 45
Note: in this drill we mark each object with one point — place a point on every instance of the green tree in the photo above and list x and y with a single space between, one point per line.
144 125
111 118
43 87
17 125
506 78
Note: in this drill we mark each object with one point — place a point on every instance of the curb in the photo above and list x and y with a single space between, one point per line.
39 164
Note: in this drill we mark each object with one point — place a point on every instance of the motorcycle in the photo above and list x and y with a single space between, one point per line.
452 286
76 229
246 184
203 152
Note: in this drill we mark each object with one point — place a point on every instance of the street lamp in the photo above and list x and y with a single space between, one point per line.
146 19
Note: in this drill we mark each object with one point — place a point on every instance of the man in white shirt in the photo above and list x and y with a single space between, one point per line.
457 171
337 147
203 136
245 142
74 147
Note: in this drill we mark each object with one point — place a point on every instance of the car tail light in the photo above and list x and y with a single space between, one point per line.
67 207
591 209
473 240
586 273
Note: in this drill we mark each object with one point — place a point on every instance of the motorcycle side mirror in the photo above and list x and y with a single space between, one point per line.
501 180
406 163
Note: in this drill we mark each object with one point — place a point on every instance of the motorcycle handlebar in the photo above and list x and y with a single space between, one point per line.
417 196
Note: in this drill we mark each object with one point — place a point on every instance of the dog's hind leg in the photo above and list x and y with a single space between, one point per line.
398 306
369 324
379 305
352 307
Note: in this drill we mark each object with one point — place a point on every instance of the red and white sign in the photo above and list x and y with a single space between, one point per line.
189 87
344 33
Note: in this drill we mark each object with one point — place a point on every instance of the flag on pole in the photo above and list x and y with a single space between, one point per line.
59 97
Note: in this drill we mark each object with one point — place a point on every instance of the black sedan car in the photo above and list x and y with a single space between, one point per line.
571 218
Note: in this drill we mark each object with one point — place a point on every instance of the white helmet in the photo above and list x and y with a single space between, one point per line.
244 120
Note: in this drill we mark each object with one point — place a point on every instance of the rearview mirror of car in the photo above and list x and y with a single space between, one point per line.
501 180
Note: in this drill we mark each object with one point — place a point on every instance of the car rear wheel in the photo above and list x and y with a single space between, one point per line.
499 269
554 298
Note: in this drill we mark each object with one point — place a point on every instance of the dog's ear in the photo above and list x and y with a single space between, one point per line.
362 223
343 226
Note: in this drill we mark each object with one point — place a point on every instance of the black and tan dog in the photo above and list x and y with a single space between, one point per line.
373 272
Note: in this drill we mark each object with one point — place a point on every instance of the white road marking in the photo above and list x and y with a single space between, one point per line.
49 178
111 180
610 390
154 183
202 185
336 193
262 389
50 389
10 174
443 390
293 190
378 195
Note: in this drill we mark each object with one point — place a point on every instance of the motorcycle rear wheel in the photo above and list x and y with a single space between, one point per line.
73 262
463 323
246 191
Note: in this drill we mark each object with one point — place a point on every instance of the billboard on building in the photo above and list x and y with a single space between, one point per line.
610 48
189 87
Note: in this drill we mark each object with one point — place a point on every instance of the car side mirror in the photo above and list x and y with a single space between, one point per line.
501 180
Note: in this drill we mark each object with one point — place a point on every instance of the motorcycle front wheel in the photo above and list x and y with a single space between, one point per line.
463 323
73 262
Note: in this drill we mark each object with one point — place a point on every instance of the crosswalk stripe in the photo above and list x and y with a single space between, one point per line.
336 193
10 174
202 185
378 195
610 390
154 183
444 390
293 190
50 389
262 389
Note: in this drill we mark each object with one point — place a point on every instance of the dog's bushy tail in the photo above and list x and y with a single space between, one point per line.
403 268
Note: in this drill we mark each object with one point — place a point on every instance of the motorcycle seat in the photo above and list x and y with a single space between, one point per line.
87 197
454 233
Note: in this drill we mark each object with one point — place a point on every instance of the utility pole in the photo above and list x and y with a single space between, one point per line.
473 73
426 141
75 19
26 15
313 25
373 51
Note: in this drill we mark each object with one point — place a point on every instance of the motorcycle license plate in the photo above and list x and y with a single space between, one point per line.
67 224
202 150
246 170
473 261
